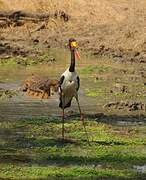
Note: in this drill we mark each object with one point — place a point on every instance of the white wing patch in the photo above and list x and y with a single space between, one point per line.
69 86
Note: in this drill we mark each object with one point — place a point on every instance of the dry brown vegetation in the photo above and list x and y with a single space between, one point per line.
109 23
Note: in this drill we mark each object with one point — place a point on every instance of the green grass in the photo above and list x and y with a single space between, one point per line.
15 61
41 172
94 92
28 61
5 94
95 69
32 148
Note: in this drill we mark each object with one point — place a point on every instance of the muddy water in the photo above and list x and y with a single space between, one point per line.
140 169
22 106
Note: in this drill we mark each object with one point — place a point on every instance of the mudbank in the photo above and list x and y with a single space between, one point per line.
116 31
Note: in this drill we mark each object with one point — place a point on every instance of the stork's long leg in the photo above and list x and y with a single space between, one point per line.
63 124
81 114
82 118
62 118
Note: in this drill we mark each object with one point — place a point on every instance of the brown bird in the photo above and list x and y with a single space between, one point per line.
40 87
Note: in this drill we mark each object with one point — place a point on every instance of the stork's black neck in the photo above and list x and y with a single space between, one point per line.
72 64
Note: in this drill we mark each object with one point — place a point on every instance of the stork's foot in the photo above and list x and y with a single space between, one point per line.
82 118
63 140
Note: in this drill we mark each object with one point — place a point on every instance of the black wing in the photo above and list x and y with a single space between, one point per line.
78 82
61 81
60 91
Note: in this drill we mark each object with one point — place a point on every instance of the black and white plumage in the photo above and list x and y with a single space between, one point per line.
69 83
69 86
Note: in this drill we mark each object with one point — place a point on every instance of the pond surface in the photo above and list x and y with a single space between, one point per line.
22 106
140 169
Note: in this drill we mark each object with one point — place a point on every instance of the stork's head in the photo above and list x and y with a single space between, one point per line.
72 43
74 46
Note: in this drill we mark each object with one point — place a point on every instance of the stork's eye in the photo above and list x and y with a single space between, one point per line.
74 44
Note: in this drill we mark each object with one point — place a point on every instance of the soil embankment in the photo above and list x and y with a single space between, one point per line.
109 28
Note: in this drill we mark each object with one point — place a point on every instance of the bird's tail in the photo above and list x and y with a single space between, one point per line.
68 104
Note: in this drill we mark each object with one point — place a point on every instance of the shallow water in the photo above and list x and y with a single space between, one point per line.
22 106
140 169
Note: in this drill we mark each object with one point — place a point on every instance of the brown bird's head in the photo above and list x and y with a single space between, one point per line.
74 47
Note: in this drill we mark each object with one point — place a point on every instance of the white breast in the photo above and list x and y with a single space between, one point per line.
69 85
70 79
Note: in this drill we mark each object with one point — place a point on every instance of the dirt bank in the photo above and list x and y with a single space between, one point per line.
112 28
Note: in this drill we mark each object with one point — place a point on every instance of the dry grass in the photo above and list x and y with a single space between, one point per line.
97 10
35 5
93 11
110 22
